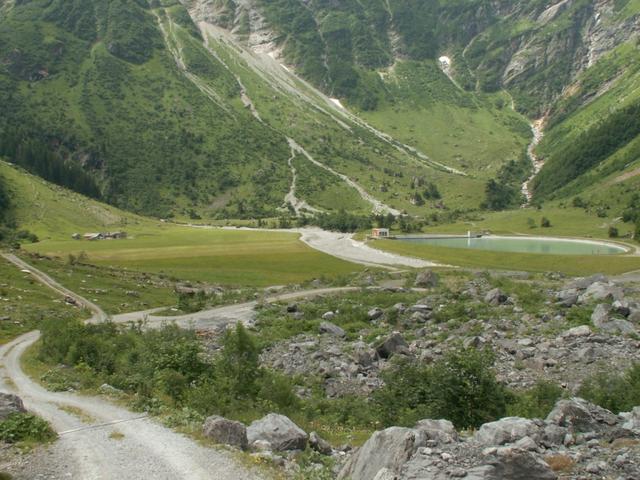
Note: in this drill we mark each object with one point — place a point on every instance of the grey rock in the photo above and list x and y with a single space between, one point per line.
332 329
600 315
517 464
567 298
226 432
581 331
506 430
279 431
553 435
619 326
621 307
10 403
632 420
427 279
440 431
388 449
328 316
292 308
584 283
392 345
634 316
600 291
375 313
495 297
581 416
319 444
420 308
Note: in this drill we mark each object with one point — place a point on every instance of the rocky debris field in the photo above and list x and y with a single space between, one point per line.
578 440
545 329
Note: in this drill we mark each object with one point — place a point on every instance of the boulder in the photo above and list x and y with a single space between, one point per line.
319 444
279 431
600 315
292 308
391 345
599 292
584 283
632 420
581 331
495 297
567 298
634 316
619 326
506 430
420 308
441 431
621 307
328 316
332 329
10 403
518 464
427 279
388 449
578 415
375 313
226 432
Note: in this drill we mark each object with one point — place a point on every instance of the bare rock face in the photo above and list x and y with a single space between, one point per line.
9 404
386 451
281 433
226 432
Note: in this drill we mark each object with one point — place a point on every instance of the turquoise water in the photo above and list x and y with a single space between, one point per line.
521 245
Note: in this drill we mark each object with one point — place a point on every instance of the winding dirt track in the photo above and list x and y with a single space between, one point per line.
86 449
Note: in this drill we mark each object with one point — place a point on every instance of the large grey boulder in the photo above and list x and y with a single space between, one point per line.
391 345
10 403
226 432
495 297
375 313
387 451
320 445
586 282
441 431
600 291
578 415
619 326
510 463
279 431
332 329
427 279
506 430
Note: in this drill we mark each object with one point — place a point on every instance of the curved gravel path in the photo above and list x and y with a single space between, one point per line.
87 450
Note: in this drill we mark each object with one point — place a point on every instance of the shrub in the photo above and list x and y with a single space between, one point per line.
615 392
462 387
613 232
536 402
545 222
25 427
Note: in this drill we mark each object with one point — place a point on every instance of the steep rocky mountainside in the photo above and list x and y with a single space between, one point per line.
231 108
555 59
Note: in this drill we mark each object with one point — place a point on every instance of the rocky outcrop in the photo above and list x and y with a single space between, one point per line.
279 432
427 279
226 432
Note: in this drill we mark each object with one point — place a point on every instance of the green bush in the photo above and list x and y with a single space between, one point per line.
462 388
615 392
25 427
535 402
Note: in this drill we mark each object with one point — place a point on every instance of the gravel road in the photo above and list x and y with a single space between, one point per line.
89 450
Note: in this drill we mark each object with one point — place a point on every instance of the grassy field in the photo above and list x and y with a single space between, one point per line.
25 302
229 257
565 222
567 264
